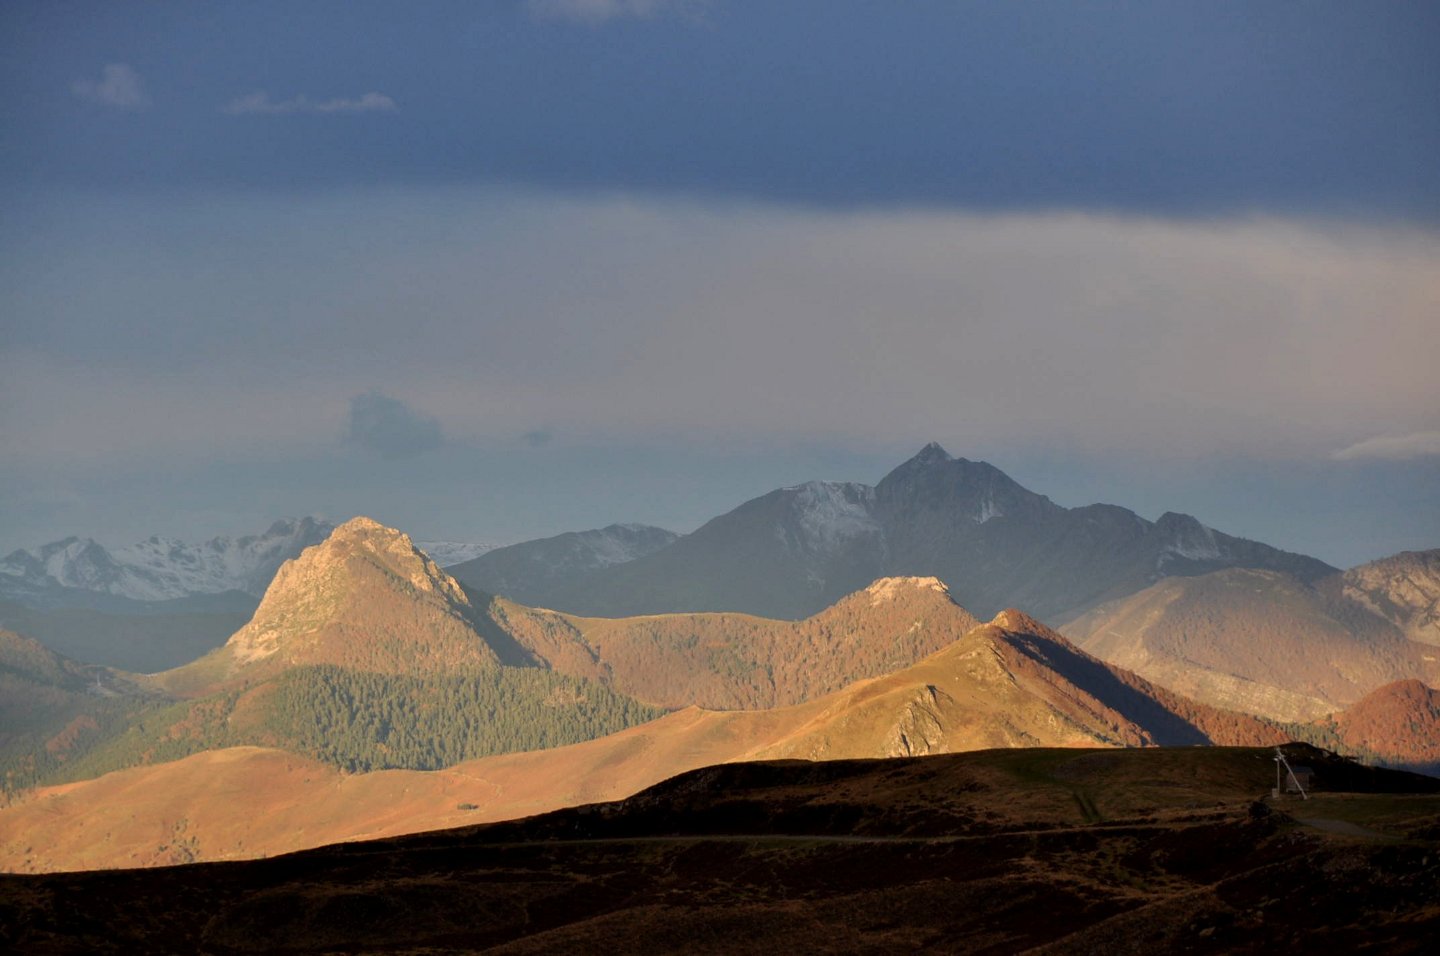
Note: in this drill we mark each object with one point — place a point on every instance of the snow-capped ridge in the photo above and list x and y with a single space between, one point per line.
832 512
160 568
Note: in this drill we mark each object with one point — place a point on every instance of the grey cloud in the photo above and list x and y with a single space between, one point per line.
119 87
389 427
623 319
1393 447
261 103
537 437
599 11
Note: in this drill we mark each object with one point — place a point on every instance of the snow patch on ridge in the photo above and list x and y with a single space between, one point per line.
831 513
988 510
448 553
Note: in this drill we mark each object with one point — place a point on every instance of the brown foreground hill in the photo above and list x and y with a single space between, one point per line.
1009 683
1040 850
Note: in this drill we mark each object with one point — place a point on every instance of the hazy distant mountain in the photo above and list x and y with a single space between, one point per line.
528 571
1268 643
1403 589
450 553
1010 683
794 551
65 573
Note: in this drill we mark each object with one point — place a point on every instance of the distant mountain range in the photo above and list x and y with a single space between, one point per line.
794 551
529 571
363 654
156 569
81 572
159 603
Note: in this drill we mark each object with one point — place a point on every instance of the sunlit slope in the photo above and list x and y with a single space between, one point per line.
738 661
1008 683
1261 642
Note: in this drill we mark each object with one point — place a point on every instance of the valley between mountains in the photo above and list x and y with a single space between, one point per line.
369 692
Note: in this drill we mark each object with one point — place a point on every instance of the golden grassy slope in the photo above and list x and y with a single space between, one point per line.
1008 683
740 661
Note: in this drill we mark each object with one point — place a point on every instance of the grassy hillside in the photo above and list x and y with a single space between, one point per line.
727 661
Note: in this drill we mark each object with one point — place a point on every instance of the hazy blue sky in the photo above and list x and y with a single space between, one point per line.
489 271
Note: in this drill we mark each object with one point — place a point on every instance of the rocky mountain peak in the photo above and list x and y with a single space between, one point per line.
930 454
956 490
364 587
1018 622
886 590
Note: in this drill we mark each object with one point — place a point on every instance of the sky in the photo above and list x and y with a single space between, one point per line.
494 271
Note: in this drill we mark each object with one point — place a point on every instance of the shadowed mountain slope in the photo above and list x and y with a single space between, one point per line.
794 551
53 708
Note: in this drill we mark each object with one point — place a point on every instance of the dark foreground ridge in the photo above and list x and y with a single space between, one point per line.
1162 850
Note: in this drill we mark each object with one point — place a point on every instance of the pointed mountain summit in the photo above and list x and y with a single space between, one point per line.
365 598
937 486
797 550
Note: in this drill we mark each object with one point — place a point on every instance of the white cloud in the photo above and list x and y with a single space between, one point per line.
119 87
599 11
1393 447
261 103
